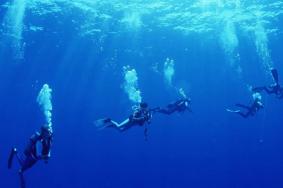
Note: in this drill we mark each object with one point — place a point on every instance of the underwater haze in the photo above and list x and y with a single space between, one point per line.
101 57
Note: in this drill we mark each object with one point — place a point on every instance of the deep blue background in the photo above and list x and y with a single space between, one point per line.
206 149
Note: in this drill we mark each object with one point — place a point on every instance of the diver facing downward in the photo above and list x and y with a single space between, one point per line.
251 110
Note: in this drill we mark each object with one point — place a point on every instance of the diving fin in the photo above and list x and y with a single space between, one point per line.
232 111
11 157
102 123
275 75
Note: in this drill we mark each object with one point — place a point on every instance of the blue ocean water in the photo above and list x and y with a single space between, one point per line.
219 48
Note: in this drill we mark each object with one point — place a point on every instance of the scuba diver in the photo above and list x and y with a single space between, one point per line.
140 116
274 88
179 106
251 110
31 154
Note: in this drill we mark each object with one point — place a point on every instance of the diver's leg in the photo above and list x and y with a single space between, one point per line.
11 157
107 122
244 115
113 123
27 163
122 126
21 171
19 158
243 106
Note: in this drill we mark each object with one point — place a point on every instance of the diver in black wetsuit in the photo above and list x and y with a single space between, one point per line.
31 154
179 106
140 116
274 88
251 110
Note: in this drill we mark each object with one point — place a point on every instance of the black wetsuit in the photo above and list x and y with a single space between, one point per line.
140 117
178 106
252 110
31 155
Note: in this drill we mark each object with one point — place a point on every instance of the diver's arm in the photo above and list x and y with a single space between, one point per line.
46 150
138 116
146 116
179 102
34 138
31 147
244 115
48 155
149 117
